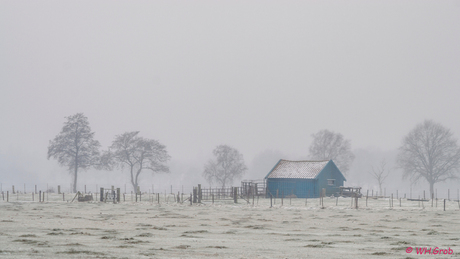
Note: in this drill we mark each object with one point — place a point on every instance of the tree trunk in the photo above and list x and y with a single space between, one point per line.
75 176
134 186
136 180
431 188
132 180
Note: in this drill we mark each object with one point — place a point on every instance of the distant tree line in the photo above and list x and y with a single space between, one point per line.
76 148
428 152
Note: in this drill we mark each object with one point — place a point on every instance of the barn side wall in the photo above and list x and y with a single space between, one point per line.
330 172
301 188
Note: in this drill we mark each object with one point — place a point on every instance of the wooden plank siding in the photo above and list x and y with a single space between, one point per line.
307 187
301 188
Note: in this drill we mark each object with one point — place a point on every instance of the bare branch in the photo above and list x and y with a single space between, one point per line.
380 173
75 147
430 152
329 145
138 154
227 166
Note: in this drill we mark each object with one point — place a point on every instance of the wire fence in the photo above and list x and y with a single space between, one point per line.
92 188
182 199
246 193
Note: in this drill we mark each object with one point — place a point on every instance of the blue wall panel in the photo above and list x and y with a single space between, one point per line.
301 188
310 188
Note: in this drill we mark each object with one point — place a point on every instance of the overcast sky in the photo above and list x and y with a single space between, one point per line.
255 75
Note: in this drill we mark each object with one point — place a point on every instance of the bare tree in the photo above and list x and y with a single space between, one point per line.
380 174
330 145
75 147
227 165
137 154
429 151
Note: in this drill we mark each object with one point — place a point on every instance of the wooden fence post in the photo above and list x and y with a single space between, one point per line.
356 201
195 195
235 194
436 197
118 195
367 196
7 196
40 196
199 193
282 198
444 204
114 199
59 189
323 193
248 192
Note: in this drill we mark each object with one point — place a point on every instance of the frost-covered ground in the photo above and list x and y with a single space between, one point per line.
58 229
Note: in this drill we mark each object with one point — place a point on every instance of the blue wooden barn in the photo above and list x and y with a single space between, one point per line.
304 179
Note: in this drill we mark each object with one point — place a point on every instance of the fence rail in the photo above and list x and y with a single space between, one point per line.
223 193
247 189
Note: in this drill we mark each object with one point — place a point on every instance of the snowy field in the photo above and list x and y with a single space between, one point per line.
60 229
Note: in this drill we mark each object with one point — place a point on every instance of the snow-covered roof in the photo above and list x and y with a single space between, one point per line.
297 169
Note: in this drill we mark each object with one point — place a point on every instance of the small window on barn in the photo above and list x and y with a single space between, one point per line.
330 181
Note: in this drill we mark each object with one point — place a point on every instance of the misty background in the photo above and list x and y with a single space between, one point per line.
260 76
